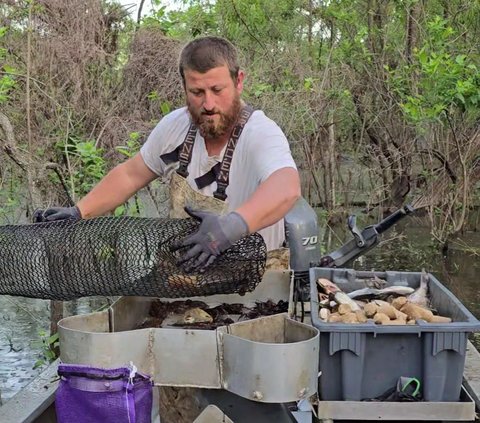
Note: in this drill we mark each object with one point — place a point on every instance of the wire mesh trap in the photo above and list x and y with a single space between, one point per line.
113 256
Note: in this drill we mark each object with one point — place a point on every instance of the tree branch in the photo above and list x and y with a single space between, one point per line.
9 143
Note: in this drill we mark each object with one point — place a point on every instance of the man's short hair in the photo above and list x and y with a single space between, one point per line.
206 53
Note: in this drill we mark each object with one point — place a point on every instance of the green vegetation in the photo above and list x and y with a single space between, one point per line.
379 99
49 348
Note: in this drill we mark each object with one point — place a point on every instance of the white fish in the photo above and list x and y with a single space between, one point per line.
338 295
420 296
197 315
372 292
342 298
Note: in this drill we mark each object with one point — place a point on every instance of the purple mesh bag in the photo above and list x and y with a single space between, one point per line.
94 395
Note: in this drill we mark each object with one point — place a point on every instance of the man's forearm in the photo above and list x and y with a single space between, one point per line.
110 192
272 200
115 188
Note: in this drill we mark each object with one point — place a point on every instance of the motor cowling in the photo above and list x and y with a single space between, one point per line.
302 235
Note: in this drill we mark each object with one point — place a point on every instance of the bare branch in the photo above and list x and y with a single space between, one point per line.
9 143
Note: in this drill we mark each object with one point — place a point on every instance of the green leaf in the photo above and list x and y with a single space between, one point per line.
422 56
460 97
153 95
120 211
52 339
38 363
9 69
165 108
123 150
460 59
134 136
308 83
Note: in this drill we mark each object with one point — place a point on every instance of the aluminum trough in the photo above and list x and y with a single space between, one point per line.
269 359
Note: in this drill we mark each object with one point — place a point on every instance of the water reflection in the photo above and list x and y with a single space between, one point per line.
22 320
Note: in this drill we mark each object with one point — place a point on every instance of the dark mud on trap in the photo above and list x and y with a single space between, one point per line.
190 314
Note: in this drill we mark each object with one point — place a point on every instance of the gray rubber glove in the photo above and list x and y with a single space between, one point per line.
56 213
215 234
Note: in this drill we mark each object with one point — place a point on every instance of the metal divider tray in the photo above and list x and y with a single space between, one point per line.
268 359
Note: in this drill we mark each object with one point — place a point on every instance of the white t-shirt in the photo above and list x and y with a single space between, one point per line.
261 150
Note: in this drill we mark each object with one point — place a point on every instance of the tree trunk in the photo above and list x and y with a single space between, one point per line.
413 14
331 164
56 314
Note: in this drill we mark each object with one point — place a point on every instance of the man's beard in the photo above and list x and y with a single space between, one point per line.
207 127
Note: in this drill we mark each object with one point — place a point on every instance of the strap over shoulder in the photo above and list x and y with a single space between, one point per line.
221 171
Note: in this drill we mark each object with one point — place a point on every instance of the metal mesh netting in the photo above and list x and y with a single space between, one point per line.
69 259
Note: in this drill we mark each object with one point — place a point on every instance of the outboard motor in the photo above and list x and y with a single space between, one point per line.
302 235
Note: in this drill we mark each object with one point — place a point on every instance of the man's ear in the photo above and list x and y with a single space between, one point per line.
240 78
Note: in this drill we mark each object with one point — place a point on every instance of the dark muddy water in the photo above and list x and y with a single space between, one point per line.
406 248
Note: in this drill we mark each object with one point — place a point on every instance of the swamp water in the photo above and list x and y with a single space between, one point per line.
21 322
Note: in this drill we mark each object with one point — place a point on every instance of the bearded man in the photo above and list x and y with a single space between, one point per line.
230 166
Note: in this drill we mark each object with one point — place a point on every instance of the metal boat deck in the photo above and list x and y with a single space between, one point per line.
35 402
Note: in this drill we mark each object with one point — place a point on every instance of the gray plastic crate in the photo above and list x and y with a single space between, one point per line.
362 361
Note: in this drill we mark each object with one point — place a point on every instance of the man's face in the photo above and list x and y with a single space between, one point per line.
213 100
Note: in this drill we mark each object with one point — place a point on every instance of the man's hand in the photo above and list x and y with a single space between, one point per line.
56 213
215 235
